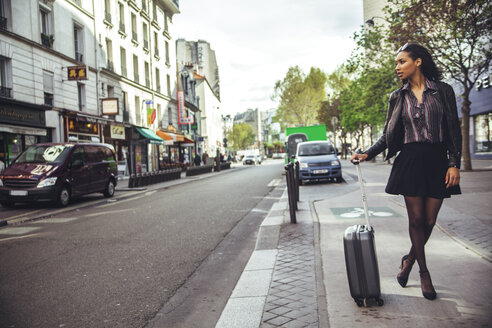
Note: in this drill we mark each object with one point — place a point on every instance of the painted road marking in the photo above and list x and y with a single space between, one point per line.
109 212
22 237
358 212
274 183
23 214
57 220
18 230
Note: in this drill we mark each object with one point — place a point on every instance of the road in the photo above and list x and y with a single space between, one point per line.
116 264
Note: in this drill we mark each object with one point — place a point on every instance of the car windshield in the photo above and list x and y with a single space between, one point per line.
44 154
315 149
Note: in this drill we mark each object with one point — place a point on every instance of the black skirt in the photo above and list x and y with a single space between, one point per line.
420 170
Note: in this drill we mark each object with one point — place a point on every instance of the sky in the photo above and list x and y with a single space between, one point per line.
256 41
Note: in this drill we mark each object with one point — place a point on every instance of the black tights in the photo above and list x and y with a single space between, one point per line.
422 216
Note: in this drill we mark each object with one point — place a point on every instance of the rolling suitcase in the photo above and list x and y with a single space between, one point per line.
360 257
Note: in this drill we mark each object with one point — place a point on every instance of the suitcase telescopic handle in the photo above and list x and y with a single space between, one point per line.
363 192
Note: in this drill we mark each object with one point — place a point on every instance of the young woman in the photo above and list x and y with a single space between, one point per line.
422 123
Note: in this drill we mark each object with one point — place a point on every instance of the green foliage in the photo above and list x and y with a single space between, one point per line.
457 33
299 97
241 136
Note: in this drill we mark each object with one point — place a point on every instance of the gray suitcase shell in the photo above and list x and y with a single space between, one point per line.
362 264
360 256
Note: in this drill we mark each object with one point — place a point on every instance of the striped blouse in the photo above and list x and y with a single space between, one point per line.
423 122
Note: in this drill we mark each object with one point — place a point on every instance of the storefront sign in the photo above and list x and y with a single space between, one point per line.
483 83
110 106
182 118
24 116
76 73
82 127
151 112
117 132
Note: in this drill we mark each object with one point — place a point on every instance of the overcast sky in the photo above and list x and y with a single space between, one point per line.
256 41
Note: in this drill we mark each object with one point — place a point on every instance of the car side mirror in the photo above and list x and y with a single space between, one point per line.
77 164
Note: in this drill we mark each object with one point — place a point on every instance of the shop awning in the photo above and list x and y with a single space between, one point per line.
149 134
168 137
187 142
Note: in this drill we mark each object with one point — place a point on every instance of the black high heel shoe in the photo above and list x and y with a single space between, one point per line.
428 295
403 279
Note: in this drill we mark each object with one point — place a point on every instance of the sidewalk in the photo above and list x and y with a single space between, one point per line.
296 276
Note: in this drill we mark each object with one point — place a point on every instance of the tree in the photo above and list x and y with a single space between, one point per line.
299 97
241 136
457 33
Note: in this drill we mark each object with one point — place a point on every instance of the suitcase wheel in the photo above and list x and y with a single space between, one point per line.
359 302
380 301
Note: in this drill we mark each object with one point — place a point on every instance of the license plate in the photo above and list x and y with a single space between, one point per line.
320 171
18 193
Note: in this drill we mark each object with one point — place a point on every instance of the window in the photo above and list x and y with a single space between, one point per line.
48 88
167 53
157 80
169 116
134 28
483 137
107 10
5 77
123 61
47 38
137 111
144 5
81 96
109 54
4 14
159 115
110 91
136 78
168 80
147 75
78 42
154 11
122 17
126 114
145 36
165 22
156 44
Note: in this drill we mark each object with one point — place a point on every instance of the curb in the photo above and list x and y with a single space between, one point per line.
247 301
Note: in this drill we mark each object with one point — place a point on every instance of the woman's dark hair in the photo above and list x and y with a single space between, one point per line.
428 67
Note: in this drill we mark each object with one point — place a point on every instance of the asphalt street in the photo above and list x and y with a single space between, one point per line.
117 263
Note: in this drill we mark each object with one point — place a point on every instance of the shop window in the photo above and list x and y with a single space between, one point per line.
483 139
78 39
48 88
5 77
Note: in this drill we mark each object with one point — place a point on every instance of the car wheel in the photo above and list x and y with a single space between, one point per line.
339 179
109 191
7 204
64 197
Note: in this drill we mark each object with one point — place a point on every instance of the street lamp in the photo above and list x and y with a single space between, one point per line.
370 21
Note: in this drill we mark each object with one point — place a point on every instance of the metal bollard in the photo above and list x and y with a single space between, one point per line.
131 181
290 191
137 181
297 182
145 179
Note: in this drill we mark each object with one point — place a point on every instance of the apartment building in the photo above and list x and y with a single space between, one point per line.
88 70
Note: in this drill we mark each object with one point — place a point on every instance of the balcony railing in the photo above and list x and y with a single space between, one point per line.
146 44
47 40
79 57
134 36
110 66
123 71
3 23
48 99
156 52
122 27
5 92
107 17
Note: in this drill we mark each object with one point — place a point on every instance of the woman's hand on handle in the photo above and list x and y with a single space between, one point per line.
452 177
360 157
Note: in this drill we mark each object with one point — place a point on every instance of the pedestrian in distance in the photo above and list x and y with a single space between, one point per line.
422 124
205 158
197 160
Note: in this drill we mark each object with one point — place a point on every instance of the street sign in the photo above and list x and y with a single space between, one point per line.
76 73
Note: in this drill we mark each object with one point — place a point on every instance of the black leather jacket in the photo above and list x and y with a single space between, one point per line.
393 132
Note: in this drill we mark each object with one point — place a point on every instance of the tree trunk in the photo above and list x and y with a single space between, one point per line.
465 132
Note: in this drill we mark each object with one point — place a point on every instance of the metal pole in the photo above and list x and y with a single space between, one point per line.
290 192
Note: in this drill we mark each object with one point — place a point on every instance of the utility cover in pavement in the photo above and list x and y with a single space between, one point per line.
358 212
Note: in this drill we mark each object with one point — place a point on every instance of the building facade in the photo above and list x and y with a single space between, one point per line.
88 71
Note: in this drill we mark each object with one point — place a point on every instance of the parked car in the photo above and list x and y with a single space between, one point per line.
251 160
318 160
57 172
